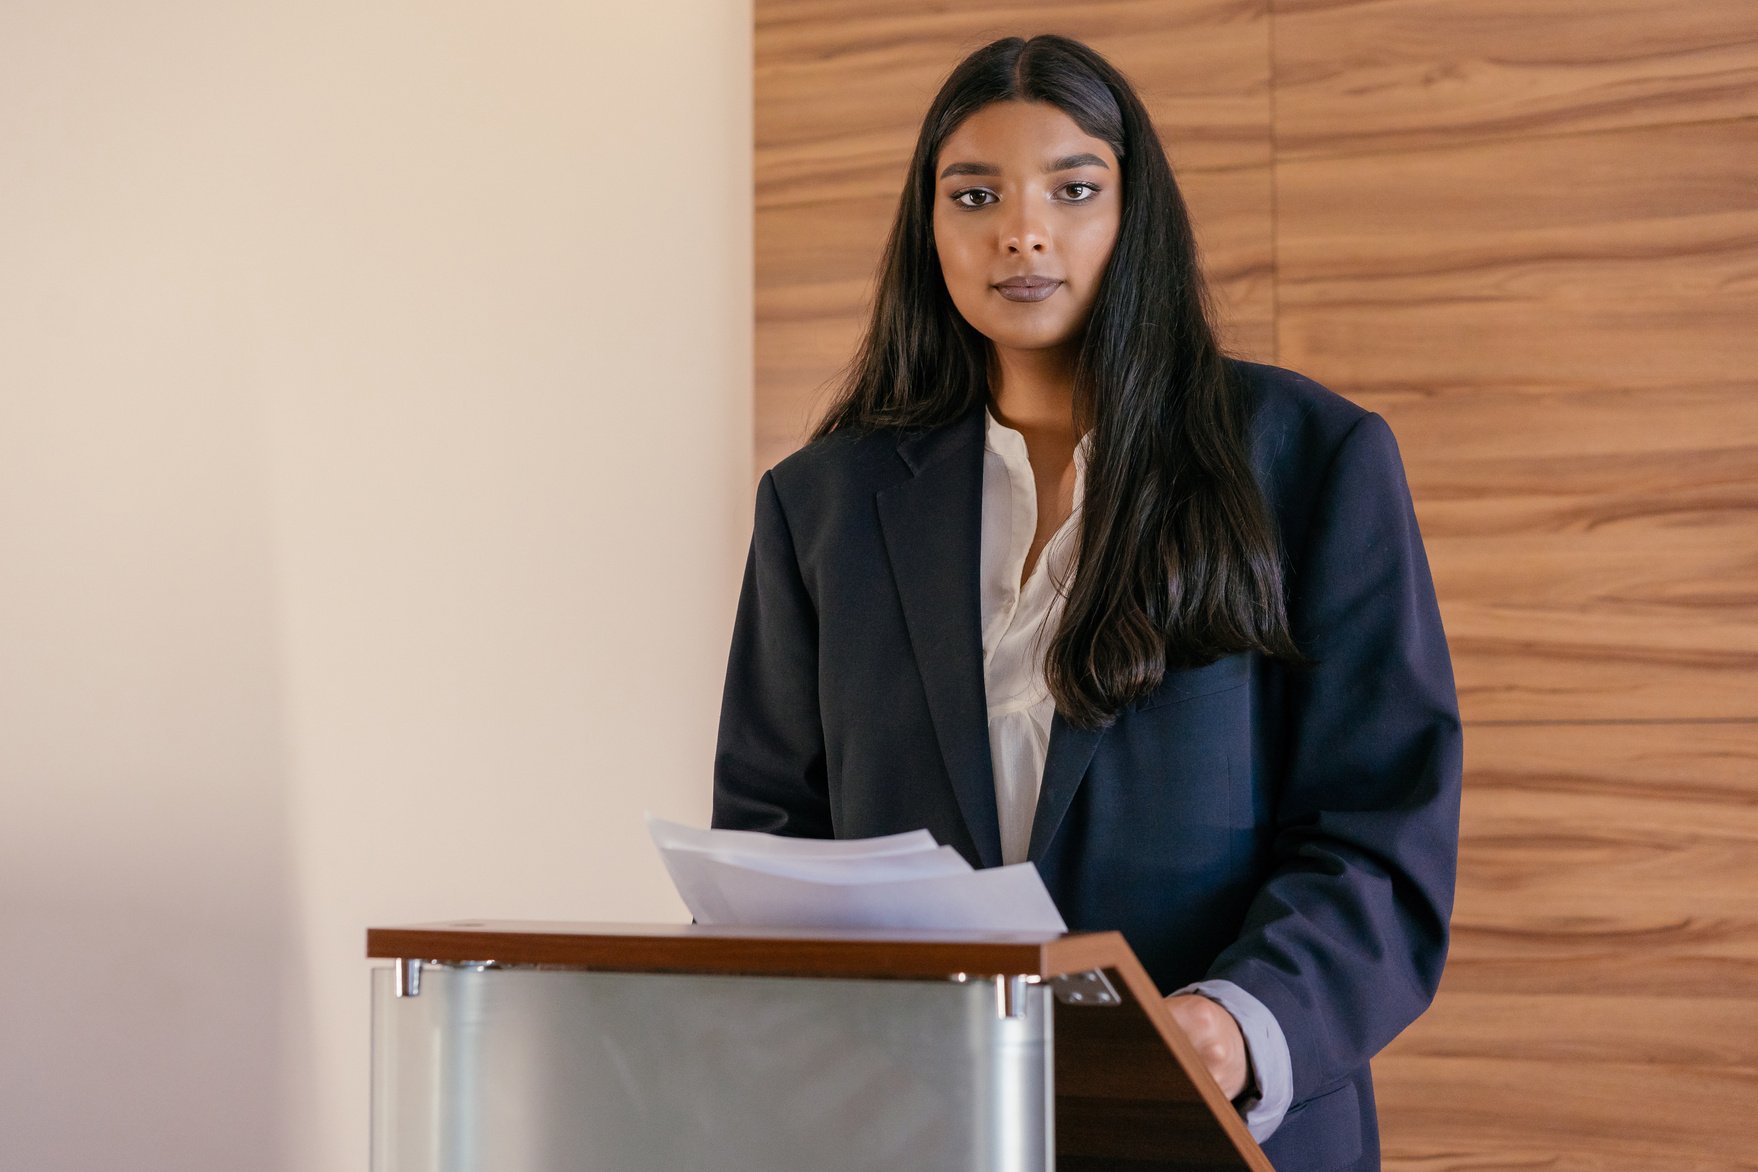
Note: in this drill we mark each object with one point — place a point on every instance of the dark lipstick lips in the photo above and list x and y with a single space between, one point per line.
1027 288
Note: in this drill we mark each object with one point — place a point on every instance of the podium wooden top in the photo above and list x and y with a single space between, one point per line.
693 948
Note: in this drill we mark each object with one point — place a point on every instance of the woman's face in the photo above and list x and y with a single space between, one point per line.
1022 192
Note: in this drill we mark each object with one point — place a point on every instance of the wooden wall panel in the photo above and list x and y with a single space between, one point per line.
1563 1115
1609 859
1393 75
1529 237
840 91
1564 333
1598 1005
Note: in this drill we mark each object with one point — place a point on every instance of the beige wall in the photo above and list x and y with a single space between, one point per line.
374 464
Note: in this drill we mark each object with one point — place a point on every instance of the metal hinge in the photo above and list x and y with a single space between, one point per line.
1089 988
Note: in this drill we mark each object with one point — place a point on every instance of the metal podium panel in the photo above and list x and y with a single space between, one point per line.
547 1070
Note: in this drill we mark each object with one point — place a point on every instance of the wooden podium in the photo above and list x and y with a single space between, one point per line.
530 1047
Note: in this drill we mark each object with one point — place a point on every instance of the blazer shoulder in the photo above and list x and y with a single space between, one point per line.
829 482
1298 424
841 457
1290 408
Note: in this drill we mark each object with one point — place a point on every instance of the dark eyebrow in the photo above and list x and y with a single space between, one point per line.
1065 163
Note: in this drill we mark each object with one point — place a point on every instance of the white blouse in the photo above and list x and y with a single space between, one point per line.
1018 622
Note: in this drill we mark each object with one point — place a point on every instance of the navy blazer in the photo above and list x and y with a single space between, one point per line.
1292 831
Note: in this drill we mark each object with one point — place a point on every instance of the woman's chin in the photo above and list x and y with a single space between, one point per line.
1031 340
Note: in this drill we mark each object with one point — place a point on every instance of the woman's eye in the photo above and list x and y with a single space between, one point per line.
969 197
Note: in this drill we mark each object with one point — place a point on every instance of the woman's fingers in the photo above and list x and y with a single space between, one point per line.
1217 1039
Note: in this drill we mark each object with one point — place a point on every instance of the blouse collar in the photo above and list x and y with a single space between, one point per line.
1010 445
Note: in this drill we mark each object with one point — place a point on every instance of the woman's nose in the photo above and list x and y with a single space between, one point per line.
1026 230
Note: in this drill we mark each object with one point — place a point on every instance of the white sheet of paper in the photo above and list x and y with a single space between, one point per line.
669 835
703 878
866 869
995 899
901 881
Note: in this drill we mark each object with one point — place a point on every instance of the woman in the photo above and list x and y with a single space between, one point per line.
1060 581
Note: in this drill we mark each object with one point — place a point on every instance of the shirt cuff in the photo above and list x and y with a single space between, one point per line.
1266 1048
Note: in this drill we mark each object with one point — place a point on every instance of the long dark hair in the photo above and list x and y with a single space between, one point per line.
1177 560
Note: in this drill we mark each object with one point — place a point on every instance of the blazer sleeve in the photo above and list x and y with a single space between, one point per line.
1345 939
769 761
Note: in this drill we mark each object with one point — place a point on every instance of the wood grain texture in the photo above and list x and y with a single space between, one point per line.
1620 259
1563 332
1125 1076
1390 75
840 91
1609 860
1616 1115
749 951
1598 1008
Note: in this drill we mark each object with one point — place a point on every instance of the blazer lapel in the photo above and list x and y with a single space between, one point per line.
1065 765
933 526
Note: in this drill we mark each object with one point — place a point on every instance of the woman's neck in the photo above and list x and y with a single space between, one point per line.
1032 391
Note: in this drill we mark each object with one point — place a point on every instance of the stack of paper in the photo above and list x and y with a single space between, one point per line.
747 879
